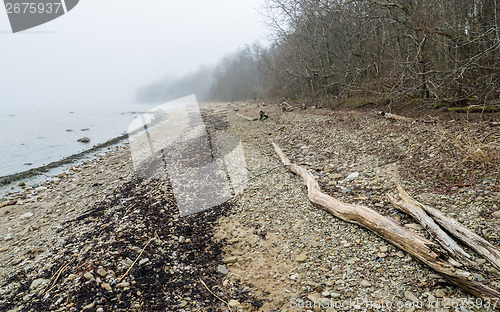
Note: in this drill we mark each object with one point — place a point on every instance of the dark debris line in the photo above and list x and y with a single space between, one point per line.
112 234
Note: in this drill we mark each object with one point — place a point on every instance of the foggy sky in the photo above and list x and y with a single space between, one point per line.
102 51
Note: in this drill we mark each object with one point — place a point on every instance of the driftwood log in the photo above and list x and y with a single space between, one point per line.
247 118
471 239
394 117
422 249
407 205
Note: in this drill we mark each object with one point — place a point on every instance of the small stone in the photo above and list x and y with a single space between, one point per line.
331 310
233 303
365 283
40 189
101 272
314 297
480 261
182 239
83 140
352 176
350 261
89 306
72 276
88 276
381 255
183 303
439 293
36 283
106 286
143 261
5 248
301 258
334 295
400 254
325 294
123 285
433 275
26 215
478 277
222 269
230 260
383 248
100 310
335 176
414 226
345 190
411 296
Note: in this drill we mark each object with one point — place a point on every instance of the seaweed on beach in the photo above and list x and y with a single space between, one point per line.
153 259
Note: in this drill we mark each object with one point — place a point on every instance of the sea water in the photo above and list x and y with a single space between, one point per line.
34 138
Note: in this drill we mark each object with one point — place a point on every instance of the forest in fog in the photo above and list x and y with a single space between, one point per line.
330 49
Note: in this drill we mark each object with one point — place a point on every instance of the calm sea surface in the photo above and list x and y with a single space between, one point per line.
33 138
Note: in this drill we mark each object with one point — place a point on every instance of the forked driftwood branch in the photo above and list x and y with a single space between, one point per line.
471 239
407 205
422 249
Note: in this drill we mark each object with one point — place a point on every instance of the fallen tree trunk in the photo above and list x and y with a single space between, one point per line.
407 205
471 239
394 117
419 247
247 118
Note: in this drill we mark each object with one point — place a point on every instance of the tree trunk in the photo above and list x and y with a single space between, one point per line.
407 205
421 248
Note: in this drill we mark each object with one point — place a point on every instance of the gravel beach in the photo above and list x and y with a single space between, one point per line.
99 238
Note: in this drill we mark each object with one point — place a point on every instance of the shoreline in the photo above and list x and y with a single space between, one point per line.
11 178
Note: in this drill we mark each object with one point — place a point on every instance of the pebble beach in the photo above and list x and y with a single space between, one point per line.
99 238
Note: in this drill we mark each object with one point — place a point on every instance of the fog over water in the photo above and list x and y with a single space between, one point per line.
92 61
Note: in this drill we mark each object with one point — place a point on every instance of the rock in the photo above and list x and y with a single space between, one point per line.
325 294
84 129
400 254
439 293
222 269
314 297
101 272
88 276
335 295
100 310
72 276
26 215
411 296
335 176
89 306
83 140
365 283
478 277
233 303
5 248
345 190
182 239
37 283
383 248
301 258
106 286
414 226
143 261
40 189
481 261
230 260
21 184
352 176
123 285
